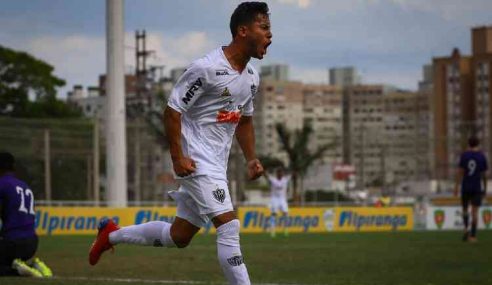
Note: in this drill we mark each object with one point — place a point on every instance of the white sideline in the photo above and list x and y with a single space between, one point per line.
150 281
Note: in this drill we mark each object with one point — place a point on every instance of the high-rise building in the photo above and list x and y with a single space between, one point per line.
277 72
461 104
344 76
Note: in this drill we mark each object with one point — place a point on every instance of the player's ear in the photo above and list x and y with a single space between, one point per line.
242 30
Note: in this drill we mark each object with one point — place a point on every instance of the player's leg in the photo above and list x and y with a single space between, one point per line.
6 258
20 251
273 223
275 207
285 214
465 200
214 201
156 233
476 201
229 250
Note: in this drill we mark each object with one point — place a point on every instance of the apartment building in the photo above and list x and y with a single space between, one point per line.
461 103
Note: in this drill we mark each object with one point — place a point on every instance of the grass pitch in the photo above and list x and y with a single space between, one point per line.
335 259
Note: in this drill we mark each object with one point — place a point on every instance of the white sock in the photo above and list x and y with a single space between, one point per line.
272 223
151 234
229 253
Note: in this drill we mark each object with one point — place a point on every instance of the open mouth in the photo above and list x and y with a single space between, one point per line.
265 47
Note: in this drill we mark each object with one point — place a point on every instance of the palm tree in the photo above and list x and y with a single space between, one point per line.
295 144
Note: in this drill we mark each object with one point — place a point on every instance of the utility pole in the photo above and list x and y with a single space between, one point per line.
95 168
47 166
141 71
143 103
117 194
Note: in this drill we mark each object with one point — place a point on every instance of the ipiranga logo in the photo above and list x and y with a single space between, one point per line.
360 221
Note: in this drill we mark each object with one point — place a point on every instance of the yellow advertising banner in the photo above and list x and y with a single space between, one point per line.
368 219
319 220
84 220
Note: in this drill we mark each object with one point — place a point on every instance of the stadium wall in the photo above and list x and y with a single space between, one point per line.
84 220
450 218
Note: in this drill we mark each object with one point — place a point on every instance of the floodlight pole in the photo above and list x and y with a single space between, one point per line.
116 191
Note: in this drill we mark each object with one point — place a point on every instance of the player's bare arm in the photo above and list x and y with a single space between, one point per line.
245 136
183 166
459 177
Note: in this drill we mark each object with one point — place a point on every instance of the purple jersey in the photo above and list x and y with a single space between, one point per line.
17 206
474 164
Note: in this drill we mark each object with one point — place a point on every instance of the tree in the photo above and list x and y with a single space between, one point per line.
299 154
23 76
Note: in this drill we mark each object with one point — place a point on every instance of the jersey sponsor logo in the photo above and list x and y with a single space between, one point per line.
439 218
224 116
236 260
219 195
487 217
191 92
221 72
226 93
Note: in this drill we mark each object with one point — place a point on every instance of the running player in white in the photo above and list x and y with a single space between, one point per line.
211 102
278 199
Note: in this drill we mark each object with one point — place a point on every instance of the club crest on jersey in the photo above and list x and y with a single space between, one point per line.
191 92
219 195
226 93
236 260
253 90
221 72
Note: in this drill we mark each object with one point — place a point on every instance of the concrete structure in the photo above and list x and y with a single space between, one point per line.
90 103
365 131
277 72
277 102
461 104
344 76
405 153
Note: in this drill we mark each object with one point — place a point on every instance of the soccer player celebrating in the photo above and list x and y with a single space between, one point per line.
472 178
278 198
18 240
211 102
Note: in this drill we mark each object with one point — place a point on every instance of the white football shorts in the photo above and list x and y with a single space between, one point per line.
279 205
200 198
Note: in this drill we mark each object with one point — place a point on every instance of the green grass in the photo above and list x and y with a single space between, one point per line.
335 259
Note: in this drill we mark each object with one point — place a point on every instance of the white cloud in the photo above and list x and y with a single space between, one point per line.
80 59
300 3
174 51
447 9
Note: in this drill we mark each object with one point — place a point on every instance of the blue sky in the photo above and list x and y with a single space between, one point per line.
387 40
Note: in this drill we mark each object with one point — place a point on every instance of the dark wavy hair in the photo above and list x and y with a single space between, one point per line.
6 161
473 141
245 14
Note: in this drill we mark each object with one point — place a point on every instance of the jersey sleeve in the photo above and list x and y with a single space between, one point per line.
190 86
485 164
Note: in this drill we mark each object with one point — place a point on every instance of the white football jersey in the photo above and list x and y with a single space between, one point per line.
211 97
278 187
